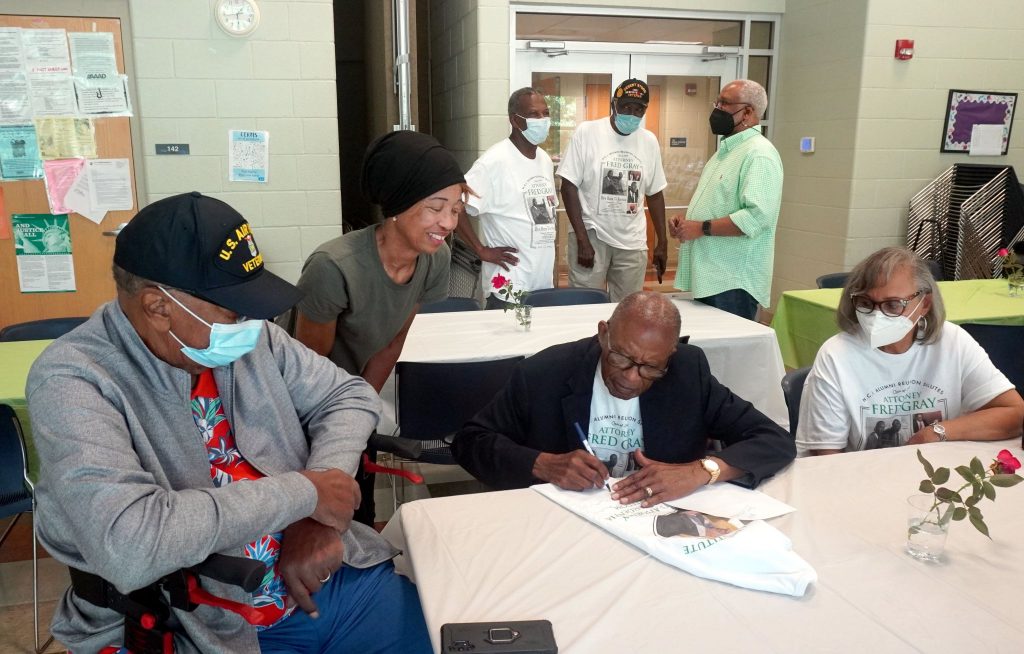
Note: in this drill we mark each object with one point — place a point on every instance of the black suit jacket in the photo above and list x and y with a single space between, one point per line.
551 390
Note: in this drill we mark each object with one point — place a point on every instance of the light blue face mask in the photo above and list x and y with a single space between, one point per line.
627 124
228 343
536 131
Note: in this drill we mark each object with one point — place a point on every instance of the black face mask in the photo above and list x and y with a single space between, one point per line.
721 122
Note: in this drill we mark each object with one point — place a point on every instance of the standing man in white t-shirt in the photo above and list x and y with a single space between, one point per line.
608 163
515 201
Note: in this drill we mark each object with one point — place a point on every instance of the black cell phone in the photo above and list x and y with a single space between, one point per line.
522 637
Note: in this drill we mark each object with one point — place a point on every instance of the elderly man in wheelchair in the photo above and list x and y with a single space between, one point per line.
176 424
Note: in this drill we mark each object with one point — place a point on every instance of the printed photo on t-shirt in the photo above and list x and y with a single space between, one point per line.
692 524
889 412
890 432
539 198
539 211
615 439
621 185
922 420
612 182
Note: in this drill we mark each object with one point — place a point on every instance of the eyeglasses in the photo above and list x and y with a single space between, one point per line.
620 361
893 307
718 104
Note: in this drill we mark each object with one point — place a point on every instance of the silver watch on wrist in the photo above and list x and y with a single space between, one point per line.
711 467
940 432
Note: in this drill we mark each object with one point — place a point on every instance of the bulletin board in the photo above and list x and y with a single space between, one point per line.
967 109
92 249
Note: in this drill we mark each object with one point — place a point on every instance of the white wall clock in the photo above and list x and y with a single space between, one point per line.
237 17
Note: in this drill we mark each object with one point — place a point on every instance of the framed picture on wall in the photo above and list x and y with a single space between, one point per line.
984 116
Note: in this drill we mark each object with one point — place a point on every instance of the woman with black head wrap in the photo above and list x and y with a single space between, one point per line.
363 289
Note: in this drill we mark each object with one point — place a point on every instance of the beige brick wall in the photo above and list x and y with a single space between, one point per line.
820 60
195 83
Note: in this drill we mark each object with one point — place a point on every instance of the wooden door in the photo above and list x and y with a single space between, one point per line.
92 251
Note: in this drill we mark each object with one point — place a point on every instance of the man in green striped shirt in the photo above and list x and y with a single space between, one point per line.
728 232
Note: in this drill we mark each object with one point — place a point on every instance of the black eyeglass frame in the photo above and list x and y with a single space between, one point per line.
620 361
902 302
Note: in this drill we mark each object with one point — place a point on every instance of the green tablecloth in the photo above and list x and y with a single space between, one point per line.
15 360
806 319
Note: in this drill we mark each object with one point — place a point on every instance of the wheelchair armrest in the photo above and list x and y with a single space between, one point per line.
408 448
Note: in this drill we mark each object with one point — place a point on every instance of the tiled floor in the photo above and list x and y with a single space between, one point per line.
16 603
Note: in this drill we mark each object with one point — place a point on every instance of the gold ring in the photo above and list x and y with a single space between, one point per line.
649 491
326 579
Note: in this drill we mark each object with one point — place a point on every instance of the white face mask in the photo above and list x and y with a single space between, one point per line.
885 330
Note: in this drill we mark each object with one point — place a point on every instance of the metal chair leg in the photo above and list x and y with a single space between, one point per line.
35 590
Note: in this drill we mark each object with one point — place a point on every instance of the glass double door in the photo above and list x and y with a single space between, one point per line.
578 87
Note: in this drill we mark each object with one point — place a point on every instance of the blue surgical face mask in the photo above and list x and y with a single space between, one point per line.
228 343
627 124
536 131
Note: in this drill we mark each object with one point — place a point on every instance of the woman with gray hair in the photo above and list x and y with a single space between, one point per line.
897 357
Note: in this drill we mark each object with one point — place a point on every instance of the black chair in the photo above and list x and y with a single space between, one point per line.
434 400
936 269
1003 345
451 304
559 297
17 497
38 330
832 280
793 390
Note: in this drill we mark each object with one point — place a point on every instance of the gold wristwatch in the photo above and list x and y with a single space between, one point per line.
711 467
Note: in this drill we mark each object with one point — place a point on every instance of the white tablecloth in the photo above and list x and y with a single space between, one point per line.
515 555
743 355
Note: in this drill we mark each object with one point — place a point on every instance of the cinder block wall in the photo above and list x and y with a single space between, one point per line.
195 83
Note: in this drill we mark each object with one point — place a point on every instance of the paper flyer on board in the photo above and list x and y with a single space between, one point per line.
19 152
66 138
48 64
60 174
99 89
42 248
79 199
750 555
14 102
248 156
110 184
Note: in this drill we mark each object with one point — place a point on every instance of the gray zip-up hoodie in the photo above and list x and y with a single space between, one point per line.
125 490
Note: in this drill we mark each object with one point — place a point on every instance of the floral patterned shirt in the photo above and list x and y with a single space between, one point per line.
227 465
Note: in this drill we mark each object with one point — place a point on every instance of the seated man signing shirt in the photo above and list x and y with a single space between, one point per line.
647 403
170 427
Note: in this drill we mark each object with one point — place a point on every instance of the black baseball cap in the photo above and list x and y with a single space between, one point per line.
633 90
204 247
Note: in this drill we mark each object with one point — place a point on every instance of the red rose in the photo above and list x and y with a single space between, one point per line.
1008 463
499 282
1003 253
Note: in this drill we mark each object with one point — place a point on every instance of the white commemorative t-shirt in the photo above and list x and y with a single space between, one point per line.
516 207
616 430
857 397
614 174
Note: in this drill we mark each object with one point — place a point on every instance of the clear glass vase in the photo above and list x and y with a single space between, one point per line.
927 526
524 316
1015 283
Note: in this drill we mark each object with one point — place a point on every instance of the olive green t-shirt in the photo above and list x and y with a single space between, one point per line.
344 280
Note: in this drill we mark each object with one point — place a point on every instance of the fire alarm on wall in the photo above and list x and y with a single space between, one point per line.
905 49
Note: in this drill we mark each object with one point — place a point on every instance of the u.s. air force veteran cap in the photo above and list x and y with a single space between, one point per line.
202 246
